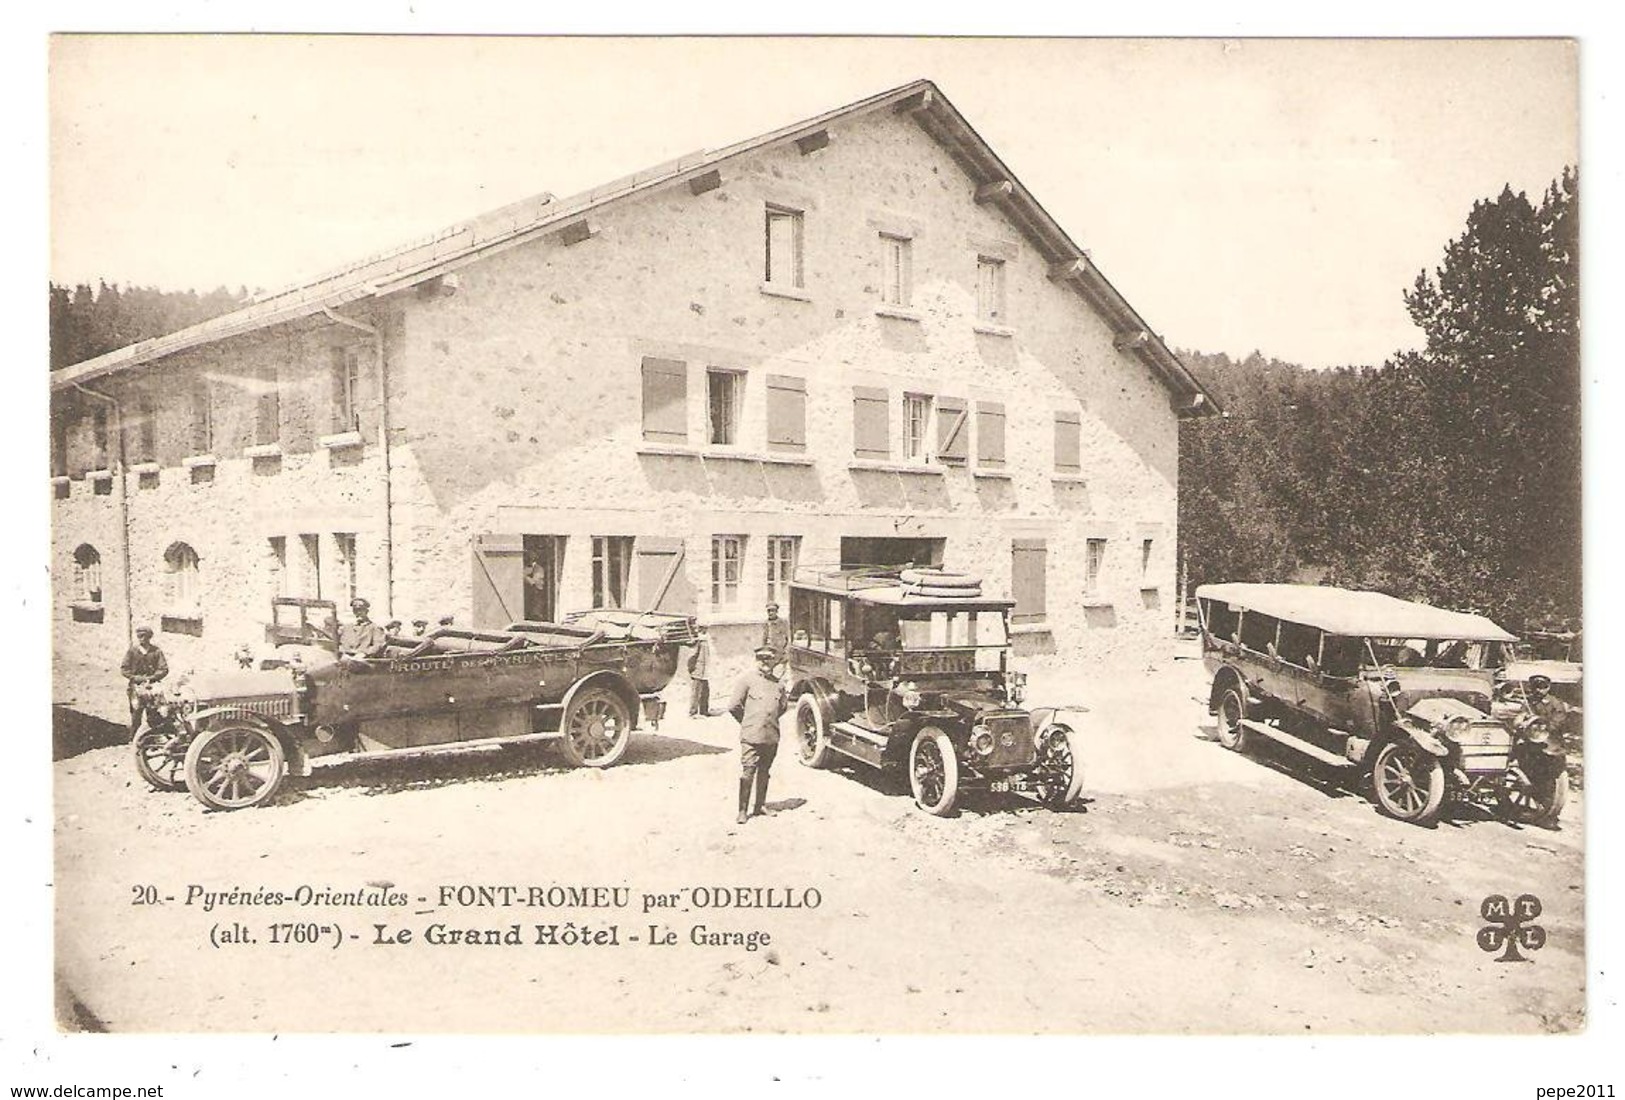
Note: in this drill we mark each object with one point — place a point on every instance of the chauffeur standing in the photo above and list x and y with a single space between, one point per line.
756 703
143 665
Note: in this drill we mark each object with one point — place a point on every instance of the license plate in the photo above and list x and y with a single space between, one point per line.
1000 786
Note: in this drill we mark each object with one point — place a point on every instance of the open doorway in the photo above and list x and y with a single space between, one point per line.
544 563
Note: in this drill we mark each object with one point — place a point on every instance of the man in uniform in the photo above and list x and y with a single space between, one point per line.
362 638
776 635
1543 704
699 675
144 664
757 703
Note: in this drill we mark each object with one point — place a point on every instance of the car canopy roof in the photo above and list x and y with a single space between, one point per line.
1355 613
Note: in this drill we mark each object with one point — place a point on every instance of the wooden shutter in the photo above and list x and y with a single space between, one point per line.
1067 459
665 400
1028 573
786 413
499 581
953 429
990 434
663 583
871 422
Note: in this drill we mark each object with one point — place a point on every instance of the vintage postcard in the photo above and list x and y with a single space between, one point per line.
816 536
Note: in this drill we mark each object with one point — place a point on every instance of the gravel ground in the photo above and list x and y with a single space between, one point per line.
1195 890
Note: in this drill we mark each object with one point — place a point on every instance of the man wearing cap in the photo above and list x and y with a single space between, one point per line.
776 634
699 675
757 703
362 638
144 664
1543 704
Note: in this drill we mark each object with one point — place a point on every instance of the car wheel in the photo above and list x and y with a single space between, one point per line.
1537 804
597 729
812 739
160 757
933 772
234 767
1232 709
1059 772
1408 783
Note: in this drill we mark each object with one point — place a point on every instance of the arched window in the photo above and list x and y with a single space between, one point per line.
87 574
182 563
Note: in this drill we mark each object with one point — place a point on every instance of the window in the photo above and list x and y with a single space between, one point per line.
990 434
786 413
310 566
346 389
727 554
181 562
724 390
781 567
202 419
276 560
611 570
665 400
1258 631
268 411
59 448
344 550
871 423
87 574
99 441
143 436
1067 459
1029 568
990 290
916 422
896 270
1299 644
1223 621
1094 559
783 251
1146 546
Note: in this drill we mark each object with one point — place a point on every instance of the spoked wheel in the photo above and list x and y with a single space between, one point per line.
160 756
1232 709
1060 772
234 767
812 739
933 772
1536 803
1408 783
597 730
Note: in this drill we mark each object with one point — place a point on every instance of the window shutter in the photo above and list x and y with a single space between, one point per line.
665 400
1028 572
663 583
499 581
786 413
1067 459
871 419
990 434
268 411
953 429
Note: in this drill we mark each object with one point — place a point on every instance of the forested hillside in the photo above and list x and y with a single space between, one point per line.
86 323
1450 475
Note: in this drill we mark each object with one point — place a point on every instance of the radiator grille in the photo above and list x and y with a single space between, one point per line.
1485 748
269 706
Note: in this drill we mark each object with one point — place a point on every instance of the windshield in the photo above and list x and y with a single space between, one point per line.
1435 653
951 629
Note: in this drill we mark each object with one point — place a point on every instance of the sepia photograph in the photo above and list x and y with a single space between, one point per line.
800 536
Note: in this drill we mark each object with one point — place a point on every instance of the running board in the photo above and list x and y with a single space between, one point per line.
438 746
1294 743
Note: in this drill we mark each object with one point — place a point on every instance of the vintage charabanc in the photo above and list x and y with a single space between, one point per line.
231 737
908 671
1401 693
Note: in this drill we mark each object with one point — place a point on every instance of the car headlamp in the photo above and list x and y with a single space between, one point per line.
910 694
1457 727
1536 731
981 740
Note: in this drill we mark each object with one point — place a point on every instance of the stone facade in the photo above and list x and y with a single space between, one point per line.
517 407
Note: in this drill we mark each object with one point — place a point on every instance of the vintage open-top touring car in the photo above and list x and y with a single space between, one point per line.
231 737
908 670
1401 691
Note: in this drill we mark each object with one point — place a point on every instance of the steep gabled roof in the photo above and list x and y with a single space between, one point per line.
436 255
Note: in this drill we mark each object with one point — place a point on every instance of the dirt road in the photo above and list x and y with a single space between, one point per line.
1195 891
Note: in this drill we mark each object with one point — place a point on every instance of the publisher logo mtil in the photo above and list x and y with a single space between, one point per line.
1509 926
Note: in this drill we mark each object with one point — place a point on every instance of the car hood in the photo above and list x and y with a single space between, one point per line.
973 704
1418 684
239 683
